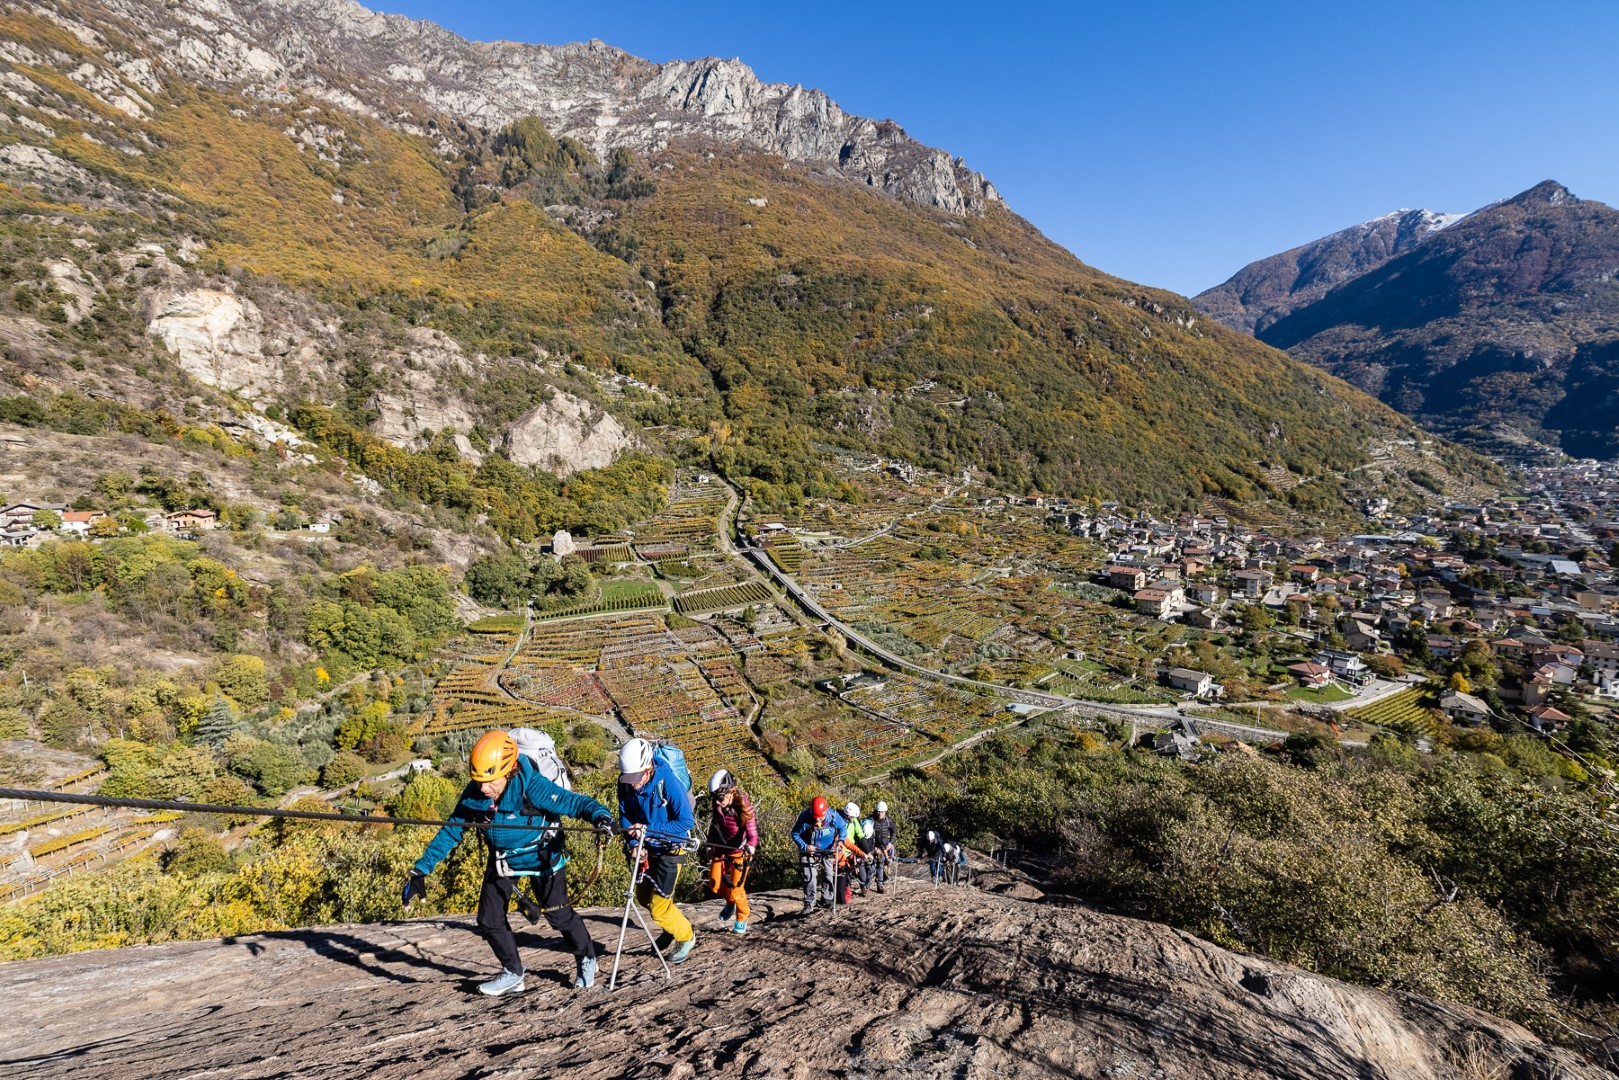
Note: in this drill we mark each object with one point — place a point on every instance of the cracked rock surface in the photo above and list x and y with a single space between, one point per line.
967 982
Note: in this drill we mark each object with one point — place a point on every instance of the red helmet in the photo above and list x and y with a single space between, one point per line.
819 807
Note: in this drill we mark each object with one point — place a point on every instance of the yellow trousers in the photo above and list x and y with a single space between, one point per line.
725 879
664 911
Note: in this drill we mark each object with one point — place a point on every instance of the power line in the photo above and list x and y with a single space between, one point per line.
30 795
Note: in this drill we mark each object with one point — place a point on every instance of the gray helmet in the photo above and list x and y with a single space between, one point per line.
721 782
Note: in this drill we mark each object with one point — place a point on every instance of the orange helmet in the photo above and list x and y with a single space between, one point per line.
819 807
494 756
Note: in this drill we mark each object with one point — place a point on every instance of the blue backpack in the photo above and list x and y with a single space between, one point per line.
673 757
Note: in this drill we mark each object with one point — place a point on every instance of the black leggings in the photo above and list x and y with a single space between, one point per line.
552 893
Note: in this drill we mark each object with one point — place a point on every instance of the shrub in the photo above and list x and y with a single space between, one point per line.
344 769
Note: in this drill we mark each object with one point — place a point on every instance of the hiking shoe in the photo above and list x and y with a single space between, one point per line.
507 982
728 912
587 973
881 890
809 909
683 949
741 927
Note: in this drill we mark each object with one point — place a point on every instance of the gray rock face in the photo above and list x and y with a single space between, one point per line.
919 983
1262 292
564 434
409 72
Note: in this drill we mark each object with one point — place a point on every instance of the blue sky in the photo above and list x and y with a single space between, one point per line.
1172 143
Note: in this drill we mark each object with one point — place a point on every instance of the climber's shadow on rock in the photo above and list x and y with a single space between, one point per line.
367 955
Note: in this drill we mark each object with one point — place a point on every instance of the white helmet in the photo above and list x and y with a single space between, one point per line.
851 811
933 837
634 758
882 808
722 780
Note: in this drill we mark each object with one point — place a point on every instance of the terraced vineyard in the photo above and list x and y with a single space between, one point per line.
607 553
787 553
635 601
1410 712
702 601
689 523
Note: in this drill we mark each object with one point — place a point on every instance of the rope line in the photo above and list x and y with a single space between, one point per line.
29 795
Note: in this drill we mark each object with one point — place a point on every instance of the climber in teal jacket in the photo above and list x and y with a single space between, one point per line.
507 790
527 852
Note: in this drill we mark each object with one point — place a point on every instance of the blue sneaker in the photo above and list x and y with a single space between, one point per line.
683 949
587 973
728 912
507 982
741 927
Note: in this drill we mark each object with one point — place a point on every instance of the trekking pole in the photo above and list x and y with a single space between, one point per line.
624 926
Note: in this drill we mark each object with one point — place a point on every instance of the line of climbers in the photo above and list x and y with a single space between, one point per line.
518 779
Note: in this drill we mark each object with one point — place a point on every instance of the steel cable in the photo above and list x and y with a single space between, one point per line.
28 795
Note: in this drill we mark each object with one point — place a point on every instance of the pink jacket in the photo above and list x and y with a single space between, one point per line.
735 826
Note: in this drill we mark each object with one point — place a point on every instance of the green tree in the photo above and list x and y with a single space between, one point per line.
219 721
243 678
345 768
498 580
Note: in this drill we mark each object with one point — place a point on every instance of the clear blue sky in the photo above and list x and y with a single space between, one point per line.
1172 143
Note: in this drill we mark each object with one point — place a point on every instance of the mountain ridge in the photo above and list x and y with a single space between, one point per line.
1505 320
746 305
611 99
1271 288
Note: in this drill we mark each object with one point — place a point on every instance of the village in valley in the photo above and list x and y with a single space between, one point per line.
850 639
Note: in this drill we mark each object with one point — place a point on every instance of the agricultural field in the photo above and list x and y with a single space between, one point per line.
689 524
1410 712
42 842
988 592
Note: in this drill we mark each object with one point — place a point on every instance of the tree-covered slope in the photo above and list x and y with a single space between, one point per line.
750 307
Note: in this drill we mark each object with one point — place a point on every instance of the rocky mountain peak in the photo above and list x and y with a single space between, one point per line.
1501 324
1547 192
411 73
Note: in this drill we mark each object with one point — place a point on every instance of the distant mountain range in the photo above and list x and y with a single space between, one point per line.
1499 325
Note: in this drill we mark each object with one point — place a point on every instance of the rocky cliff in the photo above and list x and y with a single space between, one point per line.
923 982
414 73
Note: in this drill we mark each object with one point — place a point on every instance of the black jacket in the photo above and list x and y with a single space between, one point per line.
882 831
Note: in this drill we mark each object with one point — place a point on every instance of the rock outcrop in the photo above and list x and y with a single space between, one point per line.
923 982
217 338
413 73
564 434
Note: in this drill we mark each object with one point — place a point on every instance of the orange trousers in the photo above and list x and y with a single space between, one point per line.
726 877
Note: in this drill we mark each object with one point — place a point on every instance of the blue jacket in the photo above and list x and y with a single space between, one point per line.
529 850
809 838
663 805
